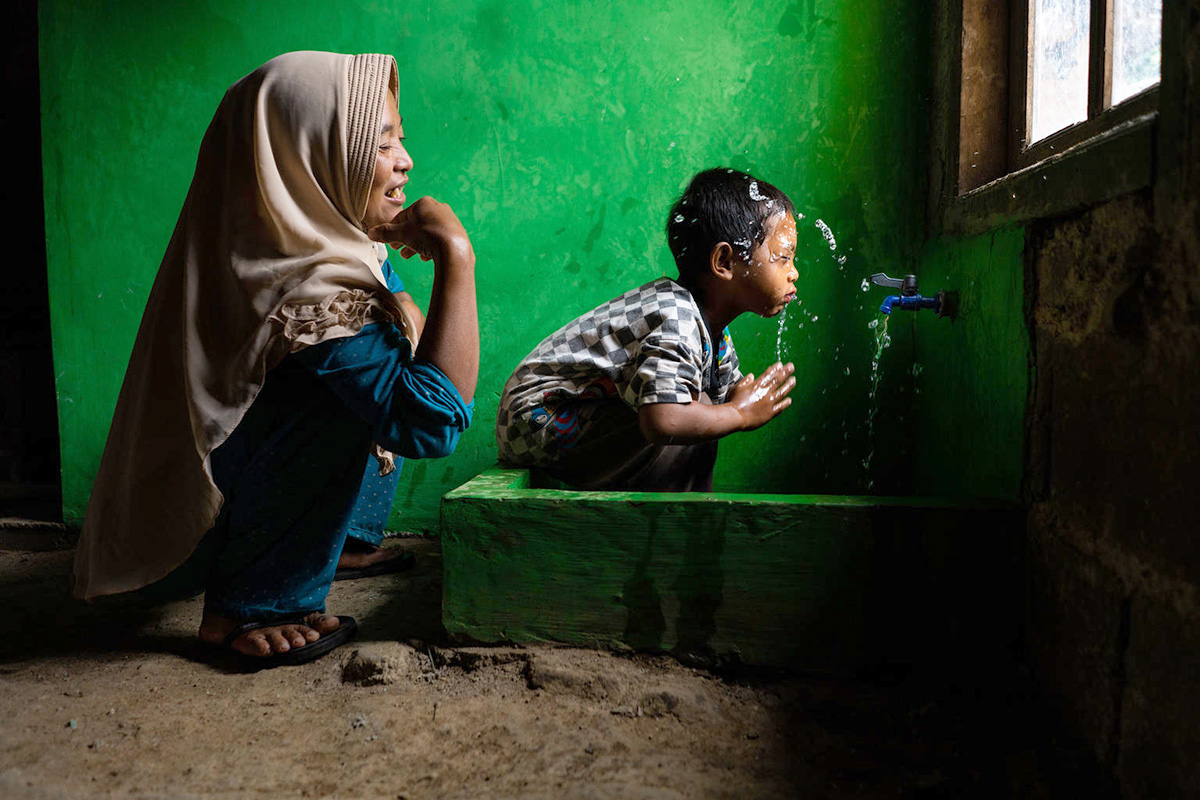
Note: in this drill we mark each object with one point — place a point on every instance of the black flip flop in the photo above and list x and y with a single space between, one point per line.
297 655
403 560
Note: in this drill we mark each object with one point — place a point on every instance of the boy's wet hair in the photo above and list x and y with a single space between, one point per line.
721 205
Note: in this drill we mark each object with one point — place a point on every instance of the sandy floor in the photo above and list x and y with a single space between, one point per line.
119 700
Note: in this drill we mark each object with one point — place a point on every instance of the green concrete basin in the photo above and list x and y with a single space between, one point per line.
814 582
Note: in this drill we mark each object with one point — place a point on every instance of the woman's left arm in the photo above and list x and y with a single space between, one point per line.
451 335
413 310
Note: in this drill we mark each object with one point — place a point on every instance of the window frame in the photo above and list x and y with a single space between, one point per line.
976 182
1102 115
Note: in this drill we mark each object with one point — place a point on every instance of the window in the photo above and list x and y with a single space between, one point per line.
1026 86
1081 66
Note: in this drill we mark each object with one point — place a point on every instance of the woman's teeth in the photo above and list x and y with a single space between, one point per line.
394 193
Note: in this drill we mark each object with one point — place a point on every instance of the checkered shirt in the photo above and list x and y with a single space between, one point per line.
647 346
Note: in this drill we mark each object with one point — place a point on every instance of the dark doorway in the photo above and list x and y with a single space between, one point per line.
29 456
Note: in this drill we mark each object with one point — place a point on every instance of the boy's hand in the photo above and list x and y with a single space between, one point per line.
759 400
426 228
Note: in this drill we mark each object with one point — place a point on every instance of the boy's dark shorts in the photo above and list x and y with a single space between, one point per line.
614 455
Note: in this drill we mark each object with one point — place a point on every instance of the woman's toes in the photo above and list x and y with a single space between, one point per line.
322 623
265 641
252 644
296 635
277 640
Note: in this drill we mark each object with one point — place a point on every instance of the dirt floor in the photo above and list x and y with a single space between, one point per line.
117 699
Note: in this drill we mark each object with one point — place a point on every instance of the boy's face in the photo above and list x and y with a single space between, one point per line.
392 164
768 278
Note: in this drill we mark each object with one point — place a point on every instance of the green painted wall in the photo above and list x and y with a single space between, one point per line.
560 132
972 382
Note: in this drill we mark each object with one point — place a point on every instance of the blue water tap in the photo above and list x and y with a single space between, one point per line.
944 304
909 303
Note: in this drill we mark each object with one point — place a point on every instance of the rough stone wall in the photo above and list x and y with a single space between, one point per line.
1113 626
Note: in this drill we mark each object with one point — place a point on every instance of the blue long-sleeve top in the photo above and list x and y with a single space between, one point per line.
412 407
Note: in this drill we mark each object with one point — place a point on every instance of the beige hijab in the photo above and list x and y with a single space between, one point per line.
268 256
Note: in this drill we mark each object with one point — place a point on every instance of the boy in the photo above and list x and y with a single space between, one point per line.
634 394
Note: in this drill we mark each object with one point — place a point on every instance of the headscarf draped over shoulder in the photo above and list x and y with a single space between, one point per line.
268 256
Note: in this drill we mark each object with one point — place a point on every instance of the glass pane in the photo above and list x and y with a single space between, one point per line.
1059 65
1137 46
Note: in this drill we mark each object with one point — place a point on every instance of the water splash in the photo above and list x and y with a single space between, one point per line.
827 233
879 329
779 335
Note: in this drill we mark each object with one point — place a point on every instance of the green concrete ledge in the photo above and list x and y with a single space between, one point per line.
815 582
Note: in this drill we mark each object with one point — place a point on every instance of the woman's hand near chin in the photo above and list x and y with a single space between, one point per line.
450 340
430 229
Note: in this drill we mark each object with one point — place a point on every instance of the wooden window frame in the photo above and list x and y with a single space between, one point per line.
1102 115
982 176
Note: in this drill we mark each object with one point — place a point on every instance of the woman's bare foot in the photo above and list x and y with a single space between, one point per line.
358 555
268 640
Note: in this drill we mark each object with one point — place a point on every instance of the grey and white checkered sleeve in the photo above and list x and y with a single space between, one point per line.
730 372
665 369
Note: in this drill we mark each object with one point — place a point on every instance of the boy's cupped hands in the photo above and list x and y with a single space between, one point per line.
759 400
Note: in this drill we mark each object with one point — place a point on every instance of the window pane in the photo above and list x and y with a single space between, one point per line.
1137 46
1059 65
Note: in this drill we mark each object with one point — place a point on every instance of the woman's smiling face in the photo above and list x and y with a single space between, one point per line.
392 164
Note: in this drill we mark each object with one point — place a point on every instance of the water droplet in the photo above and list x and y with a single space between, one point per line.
827 233
779 335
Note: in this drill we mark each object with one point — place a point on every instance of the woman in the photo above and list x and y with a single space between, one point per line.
271 355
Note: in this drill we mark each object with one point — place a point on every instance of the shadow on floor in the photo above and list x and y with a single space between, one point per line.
35 588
